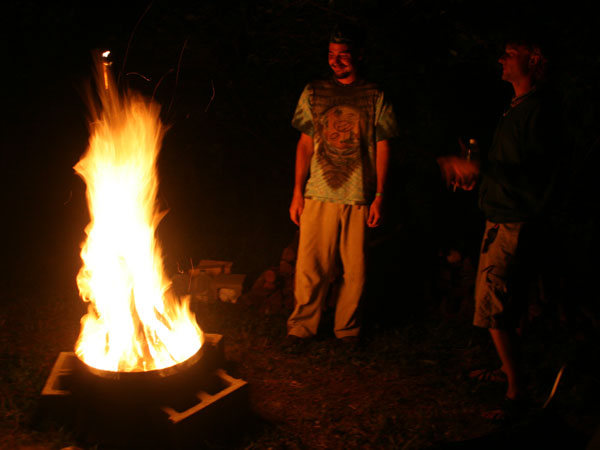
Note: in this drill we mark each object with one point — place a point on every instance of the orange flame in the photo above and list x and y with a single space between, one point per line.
134 322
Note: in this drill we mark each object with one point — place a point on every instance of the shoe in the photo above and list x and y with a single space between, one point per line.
349 343
510 411
294 344
292 339
487 375
350 340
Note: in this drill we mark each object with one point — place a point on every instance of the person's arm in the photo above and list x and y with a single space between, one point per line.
382 161
304 151
459 172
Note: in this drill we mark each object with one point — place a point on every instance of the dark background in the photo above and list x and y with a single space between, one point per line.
228 75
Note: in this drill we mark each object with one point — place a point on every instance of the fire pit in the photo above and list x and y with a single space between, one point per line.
178 406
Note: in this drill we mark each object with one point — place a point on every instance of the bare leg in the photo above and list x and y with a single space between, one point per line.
508 348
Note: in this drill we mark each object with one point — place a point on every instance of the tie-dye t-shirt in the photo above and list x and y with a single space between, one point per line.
345 122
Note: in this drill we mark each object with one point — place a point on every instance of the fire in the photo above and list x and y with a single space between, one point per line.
134 322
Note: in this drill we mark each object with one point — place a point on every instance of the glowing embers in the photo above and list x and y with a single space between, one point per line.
133 323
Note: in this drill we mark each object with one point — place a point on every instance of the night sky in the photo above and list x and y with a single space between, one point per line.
226 166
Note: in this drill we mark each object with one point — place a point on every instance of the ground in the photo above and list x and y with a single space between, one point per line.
405 386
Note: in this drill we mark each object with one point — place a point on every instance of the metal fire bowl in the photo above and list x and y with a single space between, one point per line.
150 387
135 376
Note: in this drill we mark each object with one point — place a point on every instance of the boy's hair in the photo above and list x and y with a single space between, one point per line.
534 47
349 34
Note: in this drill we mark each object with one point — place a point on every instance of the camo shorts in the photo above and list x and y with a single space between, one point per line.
496 306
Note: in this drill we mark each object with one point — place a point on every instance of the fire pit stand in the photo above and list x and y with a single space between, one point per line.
149 409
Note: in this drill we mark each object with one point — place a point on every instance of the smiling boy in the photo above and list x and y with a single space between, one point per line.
342 156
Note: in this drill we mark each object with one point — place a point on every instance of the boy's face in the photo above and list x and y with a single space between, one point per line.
341 62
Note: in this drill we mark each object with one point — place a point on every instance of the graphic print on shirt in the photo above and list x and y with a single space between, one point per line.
340 155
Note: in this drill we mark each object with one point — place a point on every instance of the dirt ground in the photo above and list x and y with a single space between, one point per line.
406 385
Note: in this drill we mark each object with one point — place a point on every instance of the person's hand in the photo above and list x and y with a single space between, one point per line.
375 211
297 207
459 172
467 184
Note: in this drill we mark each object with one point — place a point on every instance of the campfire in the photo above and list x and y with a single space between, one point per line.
143 373
134 321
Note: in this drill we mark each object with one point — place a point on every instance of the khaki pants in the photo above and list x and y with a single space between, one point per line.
329 232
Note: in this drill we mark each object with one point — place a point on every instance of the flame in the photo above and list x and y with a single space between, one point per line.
134 322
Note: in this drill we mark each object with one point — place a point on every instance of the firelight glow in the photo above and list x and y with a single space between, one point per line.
134 323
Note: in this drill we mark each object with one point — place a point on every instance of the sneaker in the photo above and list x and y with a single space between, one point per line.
509 411
488 375
294 344
350 340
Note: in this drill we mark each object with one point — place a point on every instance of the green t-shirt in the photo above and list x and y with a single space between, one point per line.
345 122
521 168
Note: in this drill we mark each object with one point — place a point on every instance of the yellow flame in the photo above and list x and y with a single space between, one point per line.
133 323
